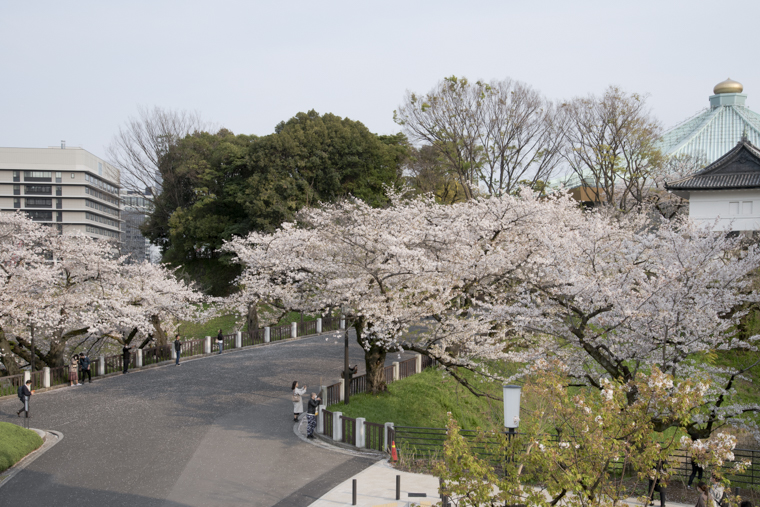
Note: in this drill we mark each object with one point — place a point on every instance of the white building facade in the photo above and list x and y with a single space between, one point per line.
67 188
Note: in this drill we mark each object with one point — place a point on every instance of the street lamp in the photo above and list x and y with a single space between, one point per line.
512 408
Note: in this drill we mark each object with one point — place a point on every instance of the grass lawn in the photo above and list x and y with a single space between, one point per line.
423 400
15 443
226 323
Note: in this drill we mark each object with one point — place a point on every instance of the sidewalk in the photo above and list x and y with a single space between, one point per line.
376 487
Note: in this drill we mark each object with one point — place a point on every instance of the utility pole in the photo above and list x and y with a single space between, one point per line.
346 367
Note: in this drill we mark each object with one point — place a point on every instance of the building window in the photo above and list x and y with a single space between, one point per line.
100 168
101 231
101 184
59 216
16 189
58 177
58 190
39 189
17 202
16 176
100 207
40 216
38 202
41 176
59 203
102 220
72 176
60 228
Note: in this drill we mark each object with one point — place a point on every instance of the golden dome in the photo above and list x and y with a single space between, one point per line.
728 86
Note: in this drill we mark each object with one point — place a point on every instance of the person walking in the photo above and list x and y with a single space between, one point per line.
704 492
220 341
655 486
125 356
84 366
24 392
73 371
177 349
696 471
297 401
311 413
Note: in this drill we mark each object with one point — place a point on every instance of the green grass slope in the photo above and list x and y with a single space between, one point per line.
15 443
424 400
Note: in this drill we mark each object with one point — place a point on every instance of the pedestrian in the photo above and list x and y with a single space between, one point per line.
297 401
125 356
220 341
177 349
24 392
84 365
655 486
311 413
704 493
696 471
73 371
717 492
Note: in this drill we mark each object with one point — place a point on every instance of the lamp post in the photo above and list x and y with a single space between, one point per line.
512 408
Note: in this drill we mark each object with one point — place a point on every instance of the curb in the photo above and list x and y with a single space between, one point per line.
50 439
323 443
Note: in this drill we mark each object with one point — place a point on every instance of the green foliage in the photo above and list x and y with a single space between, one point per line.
423 400
221 185
15 443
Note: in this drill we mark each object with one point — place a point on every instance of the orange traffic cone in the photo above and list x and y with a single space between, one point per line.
394 454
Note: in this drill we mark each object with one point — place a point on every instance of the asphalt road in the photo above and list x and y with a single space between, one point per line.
213 431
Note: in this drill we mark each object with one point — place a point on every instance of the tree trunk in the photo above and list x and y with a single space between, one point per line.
374 361
159 334
252 319
6 356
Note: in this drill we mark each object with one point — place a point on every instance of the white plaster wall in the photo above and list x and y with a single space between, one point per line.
734 210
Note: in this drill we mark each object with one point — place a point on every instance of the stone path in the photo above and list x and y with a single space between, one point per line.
213 431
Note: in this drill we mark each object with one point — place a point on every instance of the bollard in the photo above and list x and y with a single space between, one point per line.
361 436
46 377
396 371
139 359
319 325
207 345
321 420
342 323
418 363
342 395
173 352
294 330
353 493
238 340
267 334
398 487
101 365
337 426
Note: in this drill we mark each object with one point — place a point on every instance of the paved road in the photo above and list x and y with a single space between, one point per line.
213 431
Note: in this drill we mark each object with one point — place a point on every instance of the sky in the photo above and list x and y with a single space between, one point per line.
78 70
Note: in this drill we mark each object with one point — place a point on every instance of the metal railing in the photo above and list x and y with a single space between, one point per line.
374 435
330 324
348 425
388 372
327 423
307 327
358 384
333 394
9 385
407 368
279 333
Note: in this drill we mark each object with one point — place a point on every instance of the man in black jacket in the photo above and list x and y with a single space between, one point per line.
311 414
125 356
84 364
177 349
24 393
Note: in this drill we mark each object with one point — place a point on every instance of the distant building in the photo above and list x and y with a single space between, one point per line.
135 208
726 194
67 188
715 131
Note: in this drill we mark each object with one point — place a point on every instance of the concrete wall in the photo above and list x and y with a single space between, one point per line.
736 210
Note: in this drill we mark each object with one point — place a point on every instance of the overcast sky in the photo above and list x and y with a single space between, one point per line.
77 70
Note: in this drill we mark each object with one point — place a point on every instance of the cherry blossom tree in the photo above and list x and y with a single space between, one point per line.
520 278
58 287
